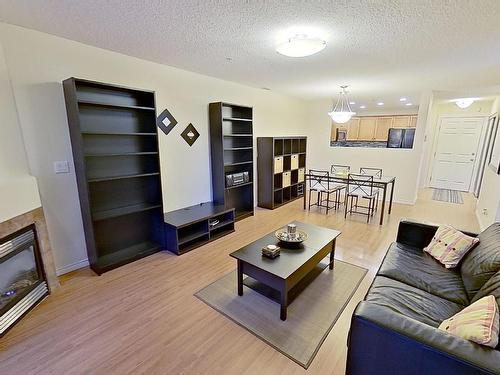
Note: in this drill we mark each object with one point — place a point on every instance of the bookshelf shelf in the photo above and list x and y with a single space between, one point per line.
231 147
281 163
115 150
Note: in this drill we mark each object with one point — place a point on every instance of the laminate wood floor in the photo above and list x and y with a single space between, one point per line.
143 317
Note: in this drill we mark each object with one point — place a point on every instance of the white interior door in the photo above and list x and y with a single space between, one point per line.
456 152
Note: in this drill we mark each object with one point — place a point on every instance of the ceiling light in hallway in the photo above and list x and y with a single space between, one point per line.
301 45
402 99
362 106
380 103
409 104
464 102
342 111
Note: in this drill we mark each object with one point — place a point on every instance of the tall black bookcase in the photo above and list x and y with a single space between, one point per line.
231 145
281 165
115 151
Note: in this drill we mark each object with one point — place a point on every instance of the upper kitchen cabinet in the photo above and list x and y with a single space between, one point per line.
370 128
367 126
383 124
353 129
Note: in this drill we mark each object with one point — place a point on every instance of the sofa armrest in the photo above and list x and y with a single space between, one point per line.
382 341
415 234
419 234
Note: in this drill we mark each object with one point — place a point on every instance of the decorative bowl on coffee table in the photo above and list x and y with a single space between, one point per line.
285 237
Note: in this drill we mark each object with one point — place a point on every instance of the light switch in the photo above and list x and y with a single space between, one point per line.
61 166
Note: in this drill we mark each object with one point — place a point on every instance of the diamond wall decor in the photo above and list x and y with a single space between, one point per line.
190 134
166 121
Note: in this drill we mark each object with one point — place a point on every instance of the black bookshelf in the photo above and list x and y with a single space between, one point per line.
281 165
115 152
195 226
231 144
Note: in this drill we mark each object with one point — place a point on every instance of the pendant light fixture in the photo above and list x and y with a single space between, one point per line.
342 111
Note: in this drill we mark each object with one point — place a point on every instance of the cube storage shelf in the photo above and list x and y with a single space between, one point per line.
115 151
281 163
190 227
231 146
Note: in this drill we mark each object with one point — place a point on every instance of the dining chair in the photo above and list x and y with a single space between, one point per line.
342 170
360 186
319 181
339 169
376 173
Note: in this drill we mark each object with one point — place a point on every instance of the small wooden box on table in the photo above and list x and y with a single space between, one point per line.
190 227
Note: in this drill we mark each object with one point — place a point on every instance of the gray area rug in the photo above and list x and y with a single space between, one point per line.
311 315
446 195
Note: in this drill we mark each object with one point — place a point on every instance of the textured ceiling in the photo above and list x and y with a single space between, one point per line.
382 49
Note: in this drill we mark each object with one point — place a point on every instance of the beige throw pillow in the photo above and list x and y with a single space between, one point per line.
478 322
449 246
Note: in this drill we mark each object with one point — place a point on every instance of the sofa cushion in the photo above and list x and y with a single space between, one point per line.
415 267
411 302
491 287
482 262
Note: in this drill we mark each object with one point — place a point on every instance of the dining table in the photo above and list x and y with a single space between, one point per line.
382 182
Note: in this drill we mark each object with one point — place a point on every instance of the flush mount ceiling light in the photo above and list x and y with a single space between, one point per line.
402 99
380 103
342 111
464 102
301 45
362 106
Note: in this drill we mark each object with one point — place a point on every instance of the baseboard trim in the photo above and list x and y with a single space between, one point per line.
71 267
401 201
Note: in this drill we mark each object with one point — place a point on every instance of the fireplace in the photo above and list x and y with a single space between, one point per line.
22 278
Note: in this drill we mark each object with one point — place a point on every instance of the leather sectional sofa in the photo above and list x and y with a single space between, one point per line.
394 330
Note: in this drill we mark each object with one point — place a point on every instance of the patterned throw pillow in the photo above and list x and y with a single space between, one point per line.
478 322
449 245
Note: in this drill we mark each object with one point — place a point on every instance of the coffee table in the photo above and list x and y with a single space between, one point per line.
285 273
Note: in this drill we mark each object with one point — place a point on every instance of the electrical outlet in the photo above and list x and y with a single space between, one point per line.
61 167
485 211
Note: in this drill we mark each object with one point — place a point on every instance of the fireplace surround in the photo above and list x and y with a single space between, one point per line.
22 277
17 224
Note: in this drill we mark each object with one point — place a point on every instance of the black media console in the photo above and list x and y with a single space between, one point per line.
194 226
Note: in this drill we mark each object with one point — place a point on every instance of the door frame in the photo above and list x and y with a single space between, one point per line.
488 138
440 118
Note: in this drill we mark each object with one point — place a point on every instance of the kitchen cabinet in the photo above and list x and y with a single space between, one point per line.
382 128
367 127
413 122
353 129
373 128
401 122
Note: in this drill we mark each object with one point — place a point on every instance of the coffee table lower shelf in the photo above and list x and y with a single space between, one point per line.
274 294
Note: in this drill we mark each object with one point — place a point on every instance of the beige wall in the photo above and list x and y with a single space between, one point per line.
404 164
488 204
18 190
39 62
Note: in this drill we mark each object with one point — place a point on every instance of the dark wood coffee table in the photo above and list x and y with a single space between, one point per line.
291 267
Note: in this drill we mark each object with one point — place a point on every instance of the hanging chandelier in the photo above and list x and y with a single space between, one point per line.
342 111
